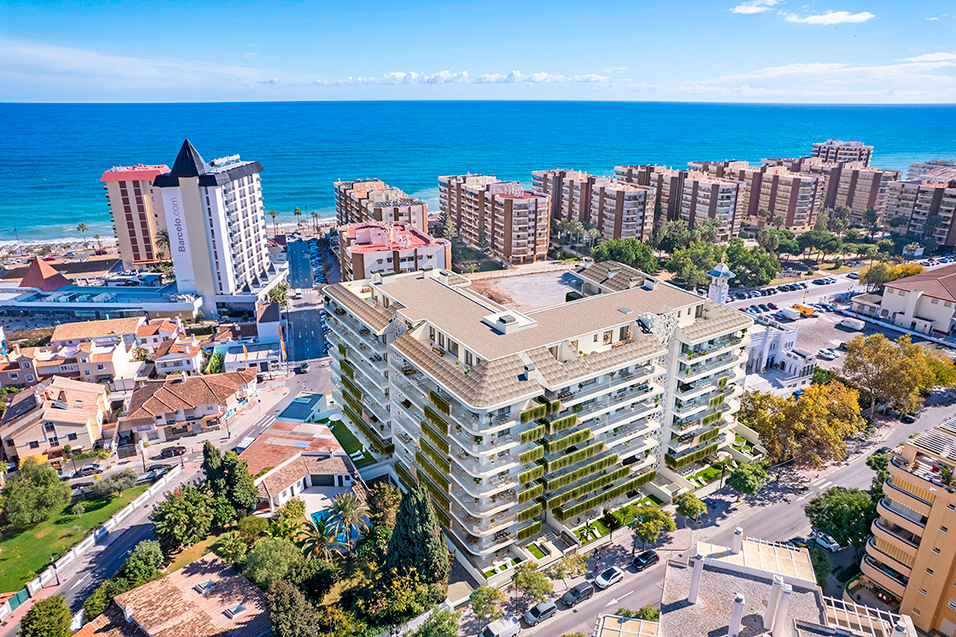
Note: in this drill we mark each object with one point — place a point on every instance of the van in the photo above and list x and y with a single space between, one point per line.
805 310
852 324
504 627
541 612
790 313
297 294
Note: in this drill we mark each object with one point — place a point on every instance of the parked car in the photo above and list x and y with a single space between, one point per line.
825 541
881 451
172 452
610 576
827 354
645 560
773 306
578 593
910 417
157 467
88 470
82 485
764 307
541 612
504 627
853 275
799 542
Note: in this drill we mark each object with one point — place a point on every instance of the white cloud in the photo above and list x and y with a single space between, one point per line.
249 54
932 18
614 69
395 77
517 77
932 57
754 6
274 81
590 77
832 17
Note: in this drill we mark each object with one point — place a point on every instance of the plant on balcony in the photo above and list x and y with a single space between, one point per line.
530 475
342 351
561 424
533 413
677 463
529 513
529 531
553 446
552 406
352 388
708 435
347 369
564 513
554 483
717 400
353 403
404 475
432 416
439 402
531 455
722 382
440 461
577 408
532 434
435 438
571 458
588 487
431 471
531 493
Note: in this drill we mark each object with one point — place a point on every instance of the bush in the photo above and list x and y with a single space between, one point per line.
270 560
115 484
294 509
647 613
143 562
97 603
251 528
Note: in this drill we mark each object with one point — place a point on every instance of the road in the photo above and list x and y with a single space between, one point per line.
306 336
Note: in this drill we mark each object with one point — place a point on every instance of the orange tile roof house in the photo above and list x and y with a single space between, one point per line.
151 335
207 598
121 329
183 356
181 405
314 477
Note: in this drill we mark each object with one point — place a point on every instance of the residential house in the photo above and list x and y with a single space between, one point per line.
314 477
923 302
179 356
108 330
150 335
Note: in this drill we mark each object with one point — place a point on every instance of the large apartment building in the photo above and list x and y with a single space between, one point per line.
928 203
706 197
525 424
910 561
370 200
942 169
375 246
136 218
775 189
570 192
217 229
666 182
513 223
842 152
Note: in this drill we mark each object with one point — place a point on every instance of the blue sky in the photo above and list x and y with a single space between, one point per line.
826 51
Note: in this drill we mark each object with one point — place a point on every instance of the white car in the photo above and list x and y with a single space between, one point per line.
610 576
827 354
824 540
832 351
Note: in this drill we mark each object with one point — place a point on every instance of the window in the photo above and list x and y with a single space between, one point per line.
929 571
14 375
86 372
595 338
34 444
922 591
607 336
71 436
30 378
951 507
100 366
623 333
934 301
952 603
943 529
936 551
916 612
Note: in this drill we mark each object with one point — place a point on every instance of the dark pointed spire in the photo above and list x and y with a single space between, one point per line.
188 162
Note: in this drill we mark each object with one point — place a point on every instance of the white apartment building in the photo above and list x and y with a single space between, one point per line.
375 246
136 219
527 424
841 152
217 229
371 200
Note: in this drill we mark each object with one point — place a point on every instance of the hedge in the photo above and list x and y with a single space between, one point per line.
440 461
531 455
530 512
569 459
347 369
440 498
382 448
432 472
530 475
711 419
723 382
530 494
551 446
529 531
717 400
439 402
599 499
533 413
342 350
581 472
708 435
436 420
352 388
532 434
435 437
588 487
561 424
677 463
404 474
443 518
553 406
353 403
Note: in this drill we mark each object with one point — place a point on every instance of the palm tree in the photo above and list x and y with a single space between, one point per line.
315 220
285 528
778 220
594 235
162 238
231 547
275 226
96 238
298 217
348 512
321 538
82 228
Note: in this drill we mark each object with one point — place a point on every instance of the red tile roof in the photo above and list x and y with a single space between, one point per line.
938 284
43 276
177 392
139 172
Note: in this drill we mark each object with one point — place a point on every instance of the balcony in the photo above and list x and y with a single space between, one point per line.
900 516
884 576
712 347
697 370
891 561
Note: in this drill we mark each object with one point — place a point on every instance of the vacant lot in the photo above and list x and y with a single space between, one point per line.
526 292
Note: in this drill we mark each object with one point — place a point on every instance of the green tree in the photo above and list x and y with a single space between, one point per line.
532 584
448 229
748 479
215 364
871 220
767 240
440 623
269 561
690 506
383 500
335 622
275 224
48 617
647 613
231 547
648 524
223 513
212 468
822 222
286 528
252 527
290 613
162 239
143 563
298 216
314 577
293 509
348 515
486 603
417 541
878 462
31 495
115 484
843 514
279 294
321 538
942 372
182 518
630 252
241 487
101 599
571 566
724 465
82 228
891 372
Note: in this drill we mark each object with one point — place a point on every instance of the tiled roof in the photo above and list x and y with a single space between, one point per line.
375 317
938 284
94 329
178 392
185 348
43 276
719 319
155 327
267 313
236 331
295 469
81 401
612 275
284 440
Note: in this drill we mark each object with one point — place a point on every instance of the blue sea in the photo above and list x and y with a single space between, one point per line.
52 155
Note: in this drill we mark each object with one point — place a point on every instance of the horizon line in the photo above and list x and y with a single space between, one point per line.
525 101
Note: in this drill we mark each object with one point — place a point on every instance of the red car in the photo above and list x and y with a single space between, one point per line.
49 258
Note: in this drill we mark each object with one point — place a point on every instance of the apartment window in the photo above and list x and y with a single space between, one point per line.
29 378
86 372
951 507
929 571
936 551
916 612
607 336
71 436
952 603
441 340
922 591
943 529
14 376
100 367
34 444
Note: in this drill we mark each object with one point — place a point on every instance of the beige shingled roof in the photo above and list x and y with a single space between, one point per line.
94 329
719 319
185 392
617 281
375 317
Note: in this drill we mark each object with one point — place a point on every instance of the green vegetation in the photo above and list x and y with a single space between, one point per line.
677 463
533 413
748 479
560 444
533 434
537 552
630 252
647 613
531 455
49 617
573 458
351 444
529 531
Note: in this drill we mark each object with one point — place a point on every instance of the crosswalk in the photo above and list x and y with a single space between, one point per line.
820 484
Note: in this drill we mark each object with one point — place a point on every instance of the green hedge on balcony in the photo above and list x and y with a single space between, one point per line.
347 369
404 474
563 513
439 499
436 420
560 444
532 434
530 475
717 400
567 422
439 402
529 513
435 437
677 463
432 472
373 436
440 461
572 458
588 487
553 406
352 388
529 531
530 494
531 455
353 403
723 382
709 420
582 472
708 435
533 413
342 351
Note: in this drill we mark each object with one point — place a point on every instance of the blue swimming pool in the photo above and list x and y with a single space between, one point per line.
319 516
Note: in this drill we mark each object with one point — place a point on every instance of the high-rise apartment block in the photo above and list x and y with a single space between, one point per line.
570 192
526 424
927 203
910 562
373 200
842 152
793 196
136 218
217 229
513 223
390 248
942 169
666 182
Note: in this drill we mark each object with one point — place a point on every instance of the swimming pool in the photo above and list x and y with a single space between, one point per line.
319 516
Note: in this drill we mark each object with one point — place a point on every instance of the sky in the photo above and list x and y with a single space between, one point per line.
779 51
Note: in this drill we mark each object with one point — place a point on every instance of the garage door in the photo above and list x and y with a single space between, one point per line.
325 480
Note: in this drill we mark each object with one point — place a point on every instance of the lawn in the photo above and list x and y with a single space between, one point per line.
708 474
351 444
25 554
489 266
598 525
193 553
534 550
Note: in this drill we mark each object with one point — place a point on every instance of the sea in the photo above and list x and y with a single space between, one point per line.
53 155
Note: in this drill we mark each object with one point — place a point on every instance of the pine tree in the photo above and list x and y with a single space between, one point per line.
49 617
212 467
240 485
417 541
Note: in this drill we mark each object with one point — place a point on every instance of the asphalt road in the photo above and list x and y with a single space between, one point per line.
307 338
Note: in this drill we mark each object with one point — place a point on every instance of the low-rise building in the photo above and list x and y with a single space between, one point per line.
151 334
263 357
180 405
56 412
316 477
178 357
101 361
369 200
842 152
206 598
106 331
371 247
923 302
772 354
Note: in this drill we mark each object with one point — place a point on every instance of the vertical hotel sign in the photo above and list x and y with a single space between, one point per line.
179 239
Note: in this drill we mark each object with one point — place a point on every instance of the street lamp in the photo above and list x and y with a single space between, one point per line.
55 574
